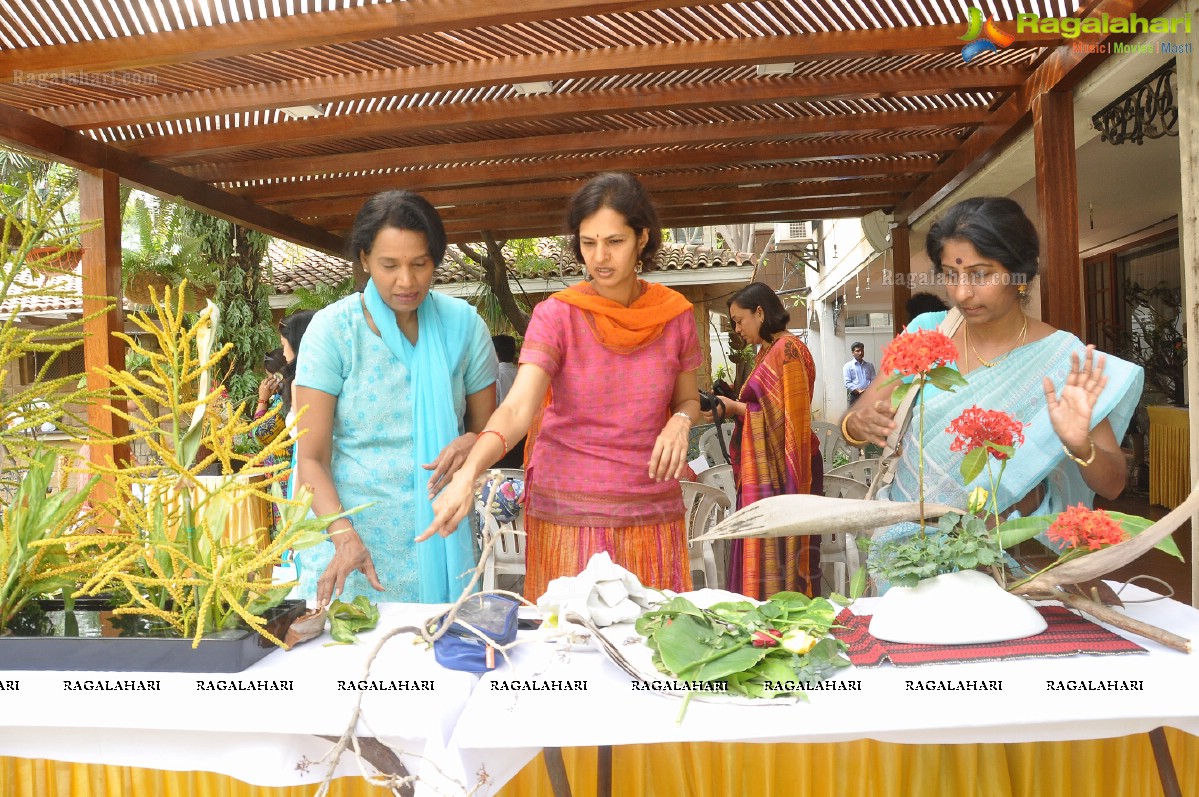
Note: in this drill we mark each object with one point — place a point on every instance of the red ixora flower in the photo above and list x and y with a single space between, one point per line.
918 352
1079 526
976 427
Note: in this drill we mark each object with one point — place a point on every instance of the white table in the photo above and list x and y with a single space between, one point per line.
466 725
265 738
611 712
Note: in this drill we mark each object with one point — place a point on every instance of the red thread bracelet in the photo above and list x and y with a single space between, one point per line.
503 440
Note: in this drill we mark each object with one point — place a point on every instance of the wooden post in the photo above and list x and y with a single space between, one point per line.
1057 207
99 200
1188 239
901 272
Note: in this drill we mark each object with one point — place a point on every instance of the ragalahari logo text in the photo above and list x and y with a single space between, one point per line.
982 36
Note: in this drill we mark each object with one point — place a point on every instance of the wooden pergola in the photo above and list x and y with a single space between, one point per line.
731 112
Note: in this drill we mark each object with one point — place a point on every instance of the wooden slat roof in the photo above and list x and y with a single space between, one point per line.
183 97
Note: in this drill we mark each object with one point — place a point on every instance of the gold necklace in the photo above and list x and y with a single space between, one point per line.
992 363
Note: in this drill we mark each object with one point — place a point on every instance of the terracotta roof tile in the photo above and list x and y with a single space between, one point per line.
294 266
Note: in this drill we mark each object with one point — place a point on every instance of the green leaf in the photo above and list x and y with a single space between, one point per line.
973 463
1015 531
899 394
946 378
1135 524
857 585
347 619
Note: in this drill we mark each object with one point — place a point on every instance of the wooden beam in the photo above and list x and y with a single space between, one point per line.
576 64
294 31
191 146
453 180
635 139
1061 70
99 201
40 137
680 158
462 231
1188 239
526 213
1057 209
475 235
901 271
699 183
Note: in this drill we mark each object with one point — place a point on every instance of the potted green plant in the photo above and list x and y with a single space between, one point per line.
162 254
185 560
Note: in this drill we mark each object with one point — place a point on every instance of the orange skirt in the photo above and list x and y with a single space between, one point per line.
656 553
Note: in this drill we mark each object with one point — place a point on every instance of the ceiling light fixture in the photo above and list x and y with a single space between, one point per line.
775 69
302 111
539 87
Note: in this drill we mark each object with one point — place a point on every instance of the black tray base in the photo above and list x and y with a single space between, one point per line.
231 651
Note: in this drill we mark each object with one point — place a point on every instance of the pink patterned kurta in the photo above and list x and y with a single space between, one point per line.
590 462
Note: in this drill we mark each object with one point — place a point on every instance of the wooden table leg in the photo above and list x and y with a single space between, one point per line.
1165 763
556 769
603 772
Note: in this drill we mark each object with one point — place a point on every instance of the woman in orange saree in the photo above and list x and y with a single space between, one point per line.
773 450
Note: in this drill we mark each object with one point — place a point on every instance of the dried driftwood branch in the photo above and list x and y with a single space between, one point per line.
802 515
1111 616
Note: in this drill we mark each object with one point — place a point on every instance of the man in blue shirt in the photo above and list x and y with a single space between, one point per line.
858 373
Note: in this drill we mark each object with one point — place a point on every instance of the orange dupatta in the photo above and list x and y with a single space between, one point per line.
619 328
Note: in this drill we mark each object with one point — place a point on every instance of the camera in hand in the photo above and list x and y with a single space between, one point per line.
707 401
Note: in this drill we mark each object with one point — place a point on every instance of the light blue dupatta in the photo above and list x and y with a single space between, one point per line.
445 324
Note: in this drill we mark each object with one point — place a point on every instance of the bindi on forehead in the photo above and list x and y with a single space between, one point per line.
958 261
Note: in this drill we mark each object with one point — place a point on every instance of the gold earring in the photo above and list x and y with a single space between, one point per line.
1020 289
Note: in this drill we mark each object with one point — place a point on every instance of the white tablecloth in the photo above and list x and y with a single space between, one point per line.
265 738
503 730
467 725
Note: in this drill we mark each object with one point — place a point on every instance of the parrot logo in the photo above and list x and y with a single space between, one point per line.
982 36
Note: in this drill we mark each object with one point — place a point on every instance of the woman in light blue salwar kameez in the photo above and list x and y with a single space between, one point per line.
396 381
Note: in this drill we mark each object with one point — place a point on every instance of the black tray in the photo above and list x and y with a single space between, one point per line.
229 651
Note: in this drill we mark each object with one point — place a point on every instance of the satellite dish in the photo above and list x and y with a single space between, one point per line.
876 226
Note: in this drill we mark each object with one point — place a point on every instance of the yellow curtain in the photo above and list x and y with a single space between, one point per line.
1169 456
1123 766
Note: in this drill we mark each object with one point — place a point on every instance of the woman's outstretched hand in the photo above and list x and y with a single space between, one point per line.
669 456
451 506
448 462
349 554
1070 412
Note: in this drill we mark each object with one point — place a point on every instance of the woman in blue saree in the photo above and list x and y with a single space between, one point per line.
1076 403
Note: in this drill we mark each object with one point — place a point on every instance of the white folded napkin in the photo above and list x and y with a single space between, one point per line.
604 593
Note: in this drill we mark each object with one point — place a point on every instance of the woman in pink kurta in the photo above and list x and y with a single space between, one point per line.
586 471
606 390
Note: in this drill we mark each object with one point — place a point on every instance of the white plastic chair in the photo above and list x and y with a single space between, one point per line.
704 507
863 470
508 555
831 442
720 476
838 552
709 445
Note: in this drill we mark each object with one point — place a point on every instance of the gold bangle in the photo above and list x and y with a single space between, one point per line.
503 440
849 439
1080 462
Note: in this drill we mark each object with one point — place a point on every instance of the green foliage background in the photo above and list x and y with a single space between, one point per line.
237 255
